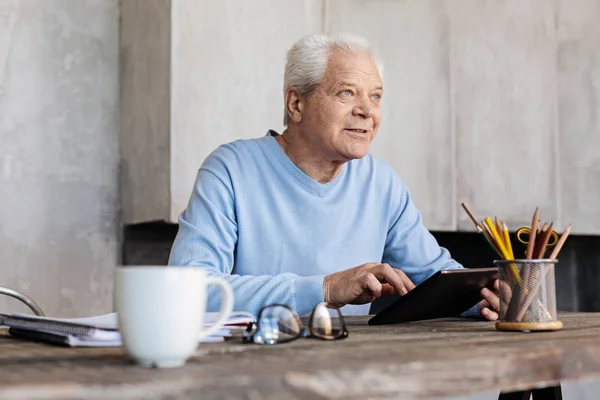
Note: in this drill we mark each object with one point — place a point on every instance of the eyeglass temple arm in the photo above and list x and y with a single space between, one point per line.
23 298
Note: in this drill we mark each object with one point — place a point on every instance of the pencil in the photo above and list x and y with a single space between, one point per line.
496 237
485 228
499 229
545 239
560 243
489 235
534 227
470 214
531 295
539 248
538 283
507 240
489 240
539 239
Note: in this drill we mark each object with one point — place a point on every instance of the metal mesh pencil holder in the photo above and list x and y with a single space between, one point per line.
527 295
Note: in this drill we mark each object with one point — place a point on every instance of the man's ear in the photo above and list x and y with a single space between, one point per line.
294 105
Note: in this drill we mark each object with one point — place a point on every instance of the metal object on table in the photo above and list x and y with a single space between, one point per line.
531 304
23 298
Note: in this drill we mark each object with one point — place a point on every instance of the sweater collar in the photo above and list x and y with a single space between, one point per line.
320 189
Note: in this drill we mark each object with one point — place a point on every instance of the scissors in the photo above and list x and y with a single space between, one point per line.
527 231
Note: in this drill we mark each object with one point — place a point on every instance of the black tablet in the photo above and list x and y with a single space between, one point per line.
446 293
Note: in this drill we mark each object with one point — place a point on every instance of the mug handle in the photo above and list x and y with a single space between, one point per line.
226 305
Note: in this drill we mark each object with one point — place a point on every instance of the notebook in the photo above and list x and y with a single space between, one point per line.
97 331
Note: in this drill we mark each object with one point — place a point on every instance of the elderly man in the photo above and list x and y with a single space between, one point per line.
308 215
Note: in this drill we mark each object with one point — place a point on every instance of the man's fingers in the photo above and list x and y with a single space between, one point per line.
370 265
391 281
497 285
373 285
482 304
491 298
407 282
384 272
489 314
505 292
387 290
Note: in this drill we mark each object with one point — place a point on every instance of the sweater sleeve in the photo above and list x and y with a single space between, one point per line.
411 247
207 238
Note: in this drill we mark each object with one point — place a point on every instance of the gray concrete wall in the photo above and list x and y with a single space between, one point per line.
59 153
145 67
493 103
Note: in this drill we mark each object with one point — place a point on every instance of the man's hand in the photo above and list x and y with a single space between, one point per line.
365 283
490 305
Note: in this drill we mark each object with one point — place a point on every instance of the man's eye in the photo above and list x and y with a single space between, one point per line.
376 97
347 92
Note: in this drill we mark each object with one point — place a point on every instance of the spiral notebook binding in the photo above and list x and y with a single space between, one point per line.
48 325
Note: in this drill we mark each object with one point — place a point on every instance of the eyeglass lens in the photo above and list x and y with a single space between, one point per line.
326 323
278 324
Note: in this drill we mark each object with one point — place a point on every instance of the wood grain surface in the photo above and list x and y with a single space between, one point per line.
404 361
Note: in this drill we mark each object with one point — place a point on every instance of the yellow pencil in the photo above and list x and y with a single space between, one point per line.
499 229
497 238
503 250
507 240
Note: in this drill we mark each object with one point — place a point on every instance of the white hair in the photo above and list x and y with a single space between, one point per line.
307 60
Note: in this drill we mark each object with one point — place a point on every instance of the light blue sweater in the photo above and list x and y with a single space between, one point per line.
274 233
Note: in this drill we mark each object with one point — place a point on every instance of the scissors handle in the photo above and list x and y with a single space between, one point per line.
521 232
527 231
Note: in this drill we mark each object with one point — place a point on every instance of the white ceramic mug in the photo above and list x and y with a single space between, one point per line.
161 312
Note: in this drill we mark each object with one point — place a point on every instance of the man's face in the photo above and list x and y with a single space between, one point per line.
342 115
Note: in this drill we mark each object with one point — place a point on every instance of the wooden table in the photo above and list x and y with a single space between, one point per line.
415 360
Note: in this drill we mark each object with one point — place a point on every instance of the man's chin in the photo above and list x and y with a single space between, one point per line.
356 153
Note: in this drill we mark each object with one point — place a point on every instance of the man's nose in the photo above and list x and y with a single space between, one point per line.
363 108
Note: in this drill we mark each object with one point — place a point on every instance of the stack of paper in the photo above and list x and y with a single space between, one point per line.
98 331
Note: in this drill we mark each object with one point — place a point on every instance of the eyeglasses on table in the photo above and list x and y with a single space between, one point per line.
278 323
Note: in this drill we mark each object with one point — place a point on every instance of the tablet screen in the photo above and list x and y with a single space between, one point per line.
446 293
